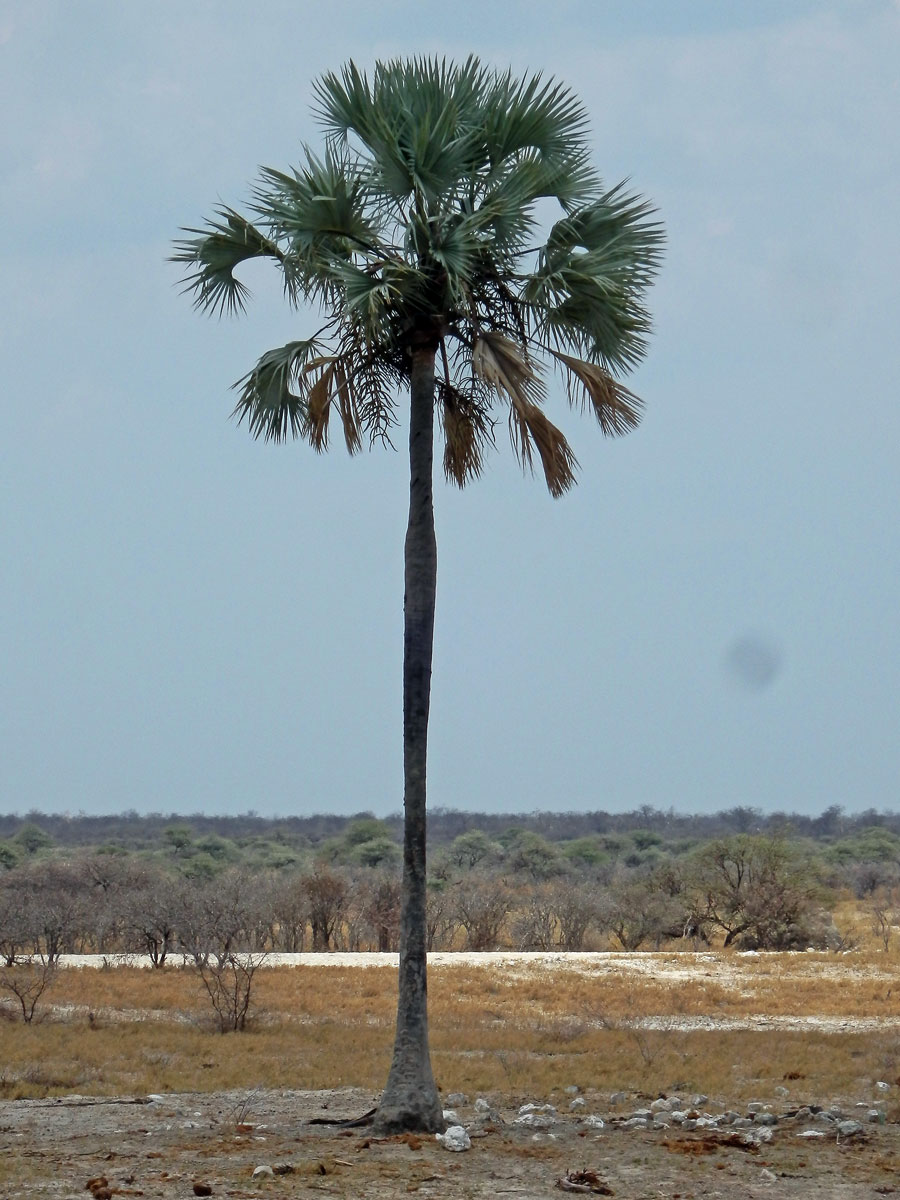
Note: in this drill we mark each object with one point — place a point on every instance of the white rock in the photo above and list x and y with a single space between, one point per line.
578 1102
263 1172
880 1086
812 1135
593 1122
482 1105
455 1138
767 1175
451 1117
535 1119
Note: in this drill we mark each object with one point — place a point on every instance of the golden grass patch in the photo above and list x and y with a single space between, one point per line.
528 1030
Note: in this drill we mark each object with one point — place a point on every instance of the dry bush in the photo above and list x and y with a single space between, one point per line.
27 980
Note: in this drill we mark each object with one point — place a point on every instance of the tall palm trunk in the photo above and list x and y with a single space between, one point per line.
410 1099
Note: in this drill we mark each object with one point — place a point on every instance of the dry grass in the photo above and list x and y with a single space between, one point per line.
525 1032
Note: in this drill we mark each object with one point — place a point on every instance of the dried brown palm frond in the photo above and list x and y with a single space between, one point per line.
468 432
616 408
346 399
504 366
530 427
318 404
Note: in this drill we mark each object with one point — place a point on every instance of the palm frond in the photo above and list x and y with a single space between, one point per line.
617 409
530 427
468 434
325 201
504 366
586 293
529 114
221 247
273 396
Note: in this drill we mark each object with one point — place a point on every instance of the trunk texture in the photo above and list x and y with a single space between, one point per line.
410 1100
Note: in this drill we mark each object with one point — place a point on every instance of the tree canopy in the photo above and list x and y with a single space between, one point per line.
422 220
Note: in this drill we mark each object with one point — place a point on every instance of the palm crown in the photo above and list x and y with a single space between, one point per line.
417 228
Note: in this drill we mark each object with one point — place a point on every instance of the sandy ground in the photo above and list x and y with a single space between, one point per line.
162 1147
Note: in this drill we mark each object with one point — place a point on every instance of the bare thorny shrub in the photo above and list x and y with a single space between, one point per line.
228 982
27 978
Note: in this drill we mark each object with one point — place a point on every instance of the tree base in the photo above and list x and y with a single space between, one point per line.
414 1111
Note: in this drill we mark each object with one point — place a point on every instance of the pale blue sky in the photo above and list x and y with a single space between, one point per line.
195 621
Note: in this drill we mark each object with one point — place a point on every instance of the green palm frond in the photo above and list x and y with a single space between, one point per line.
530 115
274 395
223 245
324 203
586 291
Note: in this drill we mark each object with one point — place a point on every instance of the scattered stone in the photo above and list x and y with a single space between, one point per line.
849 1128
263 1171
765 1118
451 1117
763 1135
283 1168
875 1116
699 1100
812 1135
578 1102
593 1122
742 1123
536 1120
755 1106
782 1091
573 1089
618 1098
767 1175
457 1098
455 1138
634 1123
661 1105
881 1086
482 1105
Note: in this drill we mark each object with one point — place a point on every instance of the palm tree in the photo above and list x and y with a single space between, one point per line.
416 234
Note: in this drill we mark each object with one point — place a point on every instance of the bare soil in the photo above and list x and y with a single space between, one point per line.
162 1147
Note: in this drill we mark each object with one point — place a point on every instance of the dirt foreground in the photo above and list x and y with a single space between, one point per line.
180 1145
